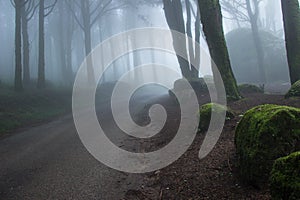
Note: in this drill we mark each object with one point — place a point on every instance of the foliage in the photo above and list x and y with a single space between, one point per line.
294 91
264 134
285 177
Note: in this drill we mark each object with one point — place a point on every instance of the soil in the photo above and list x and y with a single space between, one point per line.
215 176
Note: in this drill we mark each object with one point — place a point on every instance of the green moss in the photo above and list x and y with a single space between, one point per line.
248 88
294 91
264 134
285 177
205 114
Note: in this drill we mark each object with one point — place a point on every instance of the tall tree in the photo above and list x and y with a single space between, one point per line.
211 18
18 45
89 12
173 10
44 11
64 33
28 11
291 18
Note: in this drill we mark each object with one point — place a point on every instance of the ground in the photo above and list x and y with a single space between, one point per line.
49 161
214 177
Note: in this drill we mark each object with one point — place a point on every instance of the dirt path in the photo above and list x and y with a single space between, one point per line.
49 162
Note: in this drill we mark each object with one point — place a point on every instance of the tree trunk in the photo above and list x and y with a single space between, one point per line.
18 47
41 82
61 42
102 55
174 16
87 39
291 18
256 39
68 48
211 19
26 70
196 68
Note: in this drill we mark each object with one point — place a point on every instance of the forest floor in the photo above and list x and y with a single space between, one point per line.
215 176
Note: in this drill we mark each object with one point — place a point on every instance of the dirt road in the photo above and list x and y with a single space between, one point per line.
50 162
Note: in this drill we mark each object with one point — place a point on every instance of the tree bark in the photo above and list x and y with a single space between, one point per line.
41 82
211 19
18 47
25 37
291 18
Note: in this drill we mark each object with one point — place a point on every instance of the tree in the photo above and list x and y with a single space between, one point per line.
27 12
253 15
211 18
90 12
248 11
291 18
174 15
18 45
66 24
41 83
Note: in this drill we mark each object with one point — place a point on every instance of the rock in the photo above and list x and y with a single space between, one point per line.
294 91
285 177
205 114
264 134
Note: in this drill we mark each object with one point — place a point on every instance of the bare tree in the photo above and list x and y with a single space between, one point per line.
27 12
44 11
18 4
174 15
89 12
66 27
248 11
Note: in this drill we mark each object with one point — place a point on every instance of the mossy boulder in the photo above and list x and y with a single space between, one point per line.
248 88
285 177
264 134
205 114
198 85
294 91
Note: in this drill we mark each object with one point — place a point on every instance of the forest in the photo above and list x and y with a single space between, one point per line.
150 99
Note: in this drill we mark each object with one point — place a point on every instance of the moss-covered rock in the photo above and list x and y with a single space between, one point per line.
198 84
248 88
205 114
264 134
294 91
285 177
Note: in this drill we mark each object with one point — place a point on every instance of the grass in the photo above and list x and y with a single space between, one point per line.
31 106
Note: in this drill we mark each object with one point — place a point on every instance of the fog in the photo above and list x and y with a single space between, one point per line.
65 47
